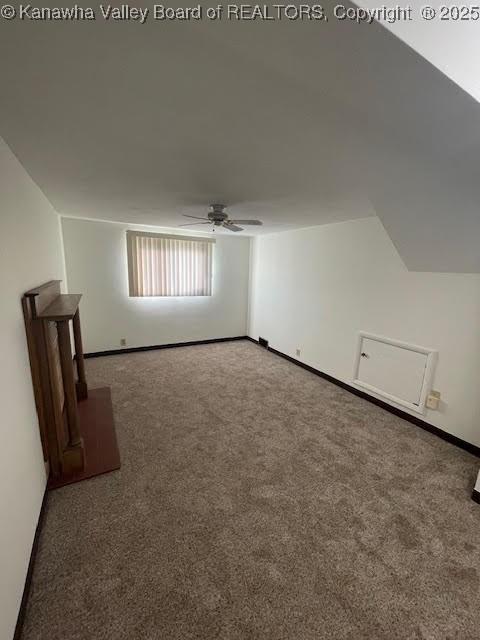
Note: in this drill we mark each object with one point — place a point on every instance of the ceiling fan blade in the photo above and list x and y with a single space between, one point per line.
192 224
231 227
256 222
195 217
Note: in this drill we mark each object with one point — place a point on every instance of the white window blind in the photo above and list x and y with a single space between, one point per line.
163 265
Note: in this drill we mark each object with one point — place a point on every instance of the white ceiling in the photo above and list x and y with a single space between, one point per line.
296 123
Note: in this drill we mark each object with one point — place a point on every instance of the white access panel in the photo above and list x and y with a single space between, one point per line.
395 370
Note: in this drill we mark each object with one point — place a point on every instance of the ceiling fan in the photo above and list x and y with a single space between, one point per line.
219 218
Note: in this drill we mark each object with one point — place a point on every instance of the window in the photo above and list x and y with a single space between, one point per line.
163 265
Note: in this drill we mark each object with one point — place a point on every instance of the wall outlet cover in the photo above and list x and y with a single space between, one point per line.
433 400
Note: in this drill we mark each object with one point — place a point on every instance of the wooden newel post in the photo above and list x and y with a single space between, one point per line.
73 455
81 385
66 363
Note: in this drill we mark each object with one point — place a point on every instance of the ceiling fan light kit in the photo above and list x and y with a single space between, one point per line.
219 218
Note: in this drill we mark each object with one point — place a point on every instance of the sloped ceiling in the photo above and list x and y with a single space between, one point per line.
298 123
449 40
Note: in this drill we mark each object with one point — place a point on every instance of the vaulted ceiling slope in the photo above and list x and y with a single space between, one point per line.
297 123
449 40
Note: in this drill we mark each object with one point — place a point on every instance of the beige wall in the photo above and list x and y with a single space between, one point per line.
96 260
30 253
315 289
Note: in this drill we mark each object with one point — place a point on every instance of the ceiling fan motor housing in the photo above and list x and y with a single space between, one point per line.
217 215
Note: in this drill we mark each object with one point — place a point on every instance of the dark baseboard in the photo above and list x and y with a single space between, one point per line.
116 352
476 496
444 435
28 580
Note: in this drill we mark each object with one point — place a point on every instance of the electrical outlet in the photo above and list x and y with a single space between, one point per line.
433 400
123 342
298 352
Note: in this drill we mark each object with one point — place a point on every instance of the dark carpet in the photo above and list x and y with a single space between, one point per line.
256 500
